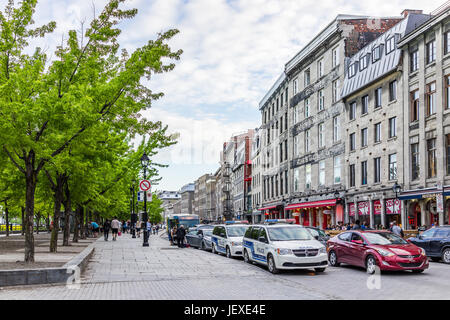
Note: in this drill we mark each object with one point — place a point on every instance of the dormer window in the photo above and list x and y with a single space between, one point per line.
363 61
352 70
390 45
376 54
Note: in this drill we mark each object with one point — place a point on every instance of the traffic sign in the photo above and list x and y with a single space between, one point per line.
140 196
144 185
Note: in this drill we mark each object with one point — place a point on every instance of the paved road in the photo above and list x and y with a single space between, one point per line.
126 270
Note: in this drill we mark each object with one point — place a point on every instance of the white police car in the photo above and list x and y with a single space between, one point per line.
280 245
227 238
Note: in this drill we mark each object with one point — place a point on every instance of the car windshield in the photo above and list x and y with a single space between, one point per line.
384 238
207 232
237 231
316 232
289 234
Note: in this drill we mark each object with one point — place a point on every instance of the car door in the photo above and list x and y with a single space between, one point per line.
356 250
261 246
436 242
254 244
342 246
423 240
190 237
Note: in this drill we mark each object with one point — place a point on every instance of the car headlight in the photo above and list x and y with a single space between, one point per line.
423 252
322 250
385 253
283 252
235 244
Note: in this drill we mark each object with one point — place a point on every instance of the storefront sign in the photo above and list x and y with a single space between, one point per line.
364 208
351 209
393 206
377 207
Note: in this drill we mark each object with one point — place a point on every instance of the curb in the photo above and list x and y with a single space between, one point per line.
71 270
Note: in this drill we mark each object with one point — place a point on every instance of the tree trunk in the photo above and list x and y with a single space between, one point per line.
23 220
67 214
7 218
57 200
31 181
76 229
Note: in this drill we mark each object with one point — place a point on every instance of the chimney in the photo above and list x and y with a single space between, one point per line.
408 11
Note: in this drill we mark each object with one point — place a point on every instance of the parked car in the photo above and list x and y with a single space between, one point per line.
200 237
435 242
371 249
284 246
318 234
227 239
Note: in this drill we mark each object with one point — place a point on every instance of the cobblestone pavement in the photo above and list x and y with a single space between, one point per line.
126 270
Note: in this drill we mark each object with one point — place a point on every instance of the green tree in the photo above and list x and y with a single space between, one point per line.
46 106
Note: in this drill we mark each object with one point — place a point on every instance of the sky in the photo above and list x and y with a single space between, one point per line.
234 50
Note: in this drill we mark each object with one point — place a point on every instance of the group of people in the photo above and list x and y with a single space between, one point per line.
177 236
114 226
357 225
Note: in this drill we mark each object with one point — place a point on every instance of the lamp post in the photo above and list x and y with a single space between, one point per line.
144 161
396 188
133 212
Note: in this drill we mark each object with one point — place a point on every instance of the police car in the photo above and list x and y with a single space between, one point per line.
227 238
280 244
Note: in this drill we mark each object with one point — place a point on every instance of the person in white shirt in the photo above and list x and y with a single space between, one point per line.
115 226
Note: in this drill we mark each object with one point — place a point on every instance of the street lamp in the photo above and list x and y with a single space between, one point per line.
145 161
133 212
396 188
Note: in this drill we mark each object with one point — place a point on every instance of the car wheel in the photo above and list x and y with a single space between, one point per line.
446 255
271 265
371 265
333 259
418 271
246 257
229 252
319 269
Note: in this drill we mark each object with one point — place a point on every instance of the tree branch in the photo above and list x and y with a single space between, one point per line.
14 161
39 134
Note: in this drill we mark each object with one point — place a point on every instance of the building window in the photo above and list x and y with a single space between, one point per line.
393 166
320 69
321 136
306 141
352 110
378 97
393 90
352 176
414 60
431 98
447 92
363 63
364 137
336 96
308 176
295 86
335 57
377 170
296 179
390 45
307 77
296 146
415 161
352 70
431 149
392 127
431 51
322 173
377 137
376 54
321 100
295 114
447 152
336 129
363 173
365 104
285 149
337 170
415 105
352 142
307 108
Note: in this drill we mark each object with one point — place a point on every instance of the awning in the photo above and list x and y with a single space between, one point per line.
314 204
267 208
418 193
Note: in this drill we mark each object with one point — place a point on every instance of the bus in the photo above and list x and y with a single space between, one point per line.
187 220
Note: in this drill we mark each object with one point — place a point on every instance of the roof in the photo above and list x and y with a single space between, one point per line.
387 62
272 90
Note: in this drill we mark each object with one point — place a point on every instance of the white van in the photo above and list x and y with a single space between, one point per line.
227 238
284 246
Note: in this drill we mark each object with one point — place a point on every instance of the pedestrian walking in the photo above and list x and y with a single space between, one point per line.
115 225
181 233
174 235
157 228
138 229
106 227
397 230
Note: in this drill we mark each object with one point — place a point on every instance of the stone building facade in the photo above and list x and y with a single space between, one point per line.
256 185
187 198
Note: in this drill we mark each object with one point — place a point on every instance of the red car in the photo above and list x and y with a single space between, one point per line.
373 248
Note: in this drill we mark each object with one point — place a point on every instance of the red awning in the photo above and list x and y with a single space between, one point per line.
314 204
267 208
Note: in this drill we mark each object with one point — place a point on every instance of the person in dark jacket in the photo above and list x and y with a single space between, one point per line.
106 227
357 225
181 233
